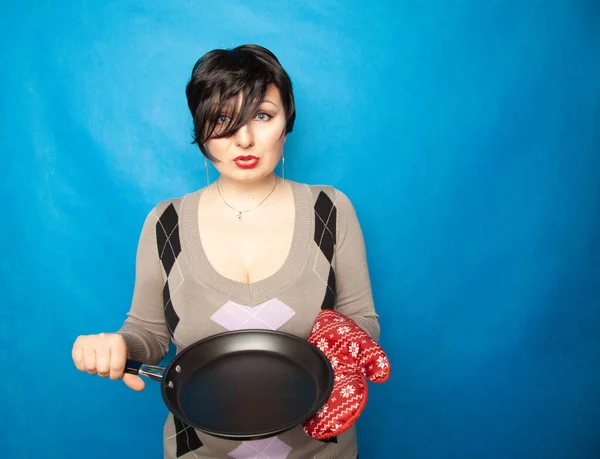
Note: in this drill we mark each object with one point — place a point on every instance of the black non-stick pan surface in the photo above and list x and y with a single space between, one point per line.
247 384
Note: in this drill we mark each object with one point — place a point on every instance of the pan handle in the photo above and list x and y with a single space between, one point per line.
150 371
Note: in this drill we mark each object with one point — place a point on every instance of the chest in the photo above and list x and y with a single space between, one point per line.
250 249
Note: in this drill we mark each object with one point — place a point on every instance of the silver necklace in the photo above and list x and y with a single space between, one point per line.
241 212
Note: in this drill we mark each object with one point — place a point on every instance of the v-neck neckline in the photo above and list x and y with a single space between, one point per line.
265 289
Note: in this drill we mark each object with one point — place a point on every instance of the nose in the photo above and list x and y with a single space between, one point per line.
244 137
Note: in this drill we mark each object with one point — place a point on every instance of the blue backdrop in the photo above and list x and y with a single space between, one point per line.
467 134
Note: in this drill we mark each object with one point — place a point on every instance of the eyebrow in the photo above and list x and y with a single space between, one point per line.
270 102
230 104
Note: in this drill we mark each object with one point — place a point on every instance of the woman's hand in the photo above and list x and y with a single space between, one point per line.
105 354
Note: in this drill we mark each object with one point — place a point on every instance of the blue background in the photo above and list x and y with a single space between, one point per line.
467 134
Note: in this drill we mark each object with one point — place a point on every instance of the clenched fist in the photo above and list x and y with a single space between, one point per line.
105 354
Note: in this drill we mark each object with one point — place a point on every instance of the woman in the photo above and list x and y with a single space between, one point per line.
251 250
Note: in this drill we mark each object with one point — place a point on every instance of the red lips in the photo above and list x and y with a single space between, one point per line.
246 161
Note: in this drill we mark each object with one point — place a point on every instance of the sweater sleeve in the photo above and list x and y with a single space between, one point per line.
353 284
145 329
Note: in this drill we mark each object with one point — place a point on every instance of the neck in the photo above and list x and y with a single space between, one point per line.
243 195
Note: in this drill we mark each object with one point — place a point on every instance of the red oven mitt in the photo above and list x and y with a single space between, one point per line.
355 358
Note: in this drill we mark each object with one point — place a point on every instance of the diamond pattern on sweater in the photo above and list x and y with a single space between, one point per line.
269 448
269 315
169 247
325 225
186 438
167 237
325 238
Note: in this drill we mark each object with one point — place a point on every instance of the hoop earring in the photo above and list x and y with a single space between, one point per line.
206 169
283 166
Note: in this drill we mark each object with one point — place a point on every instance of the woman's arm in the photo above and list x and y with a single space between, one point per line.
145 329
353 284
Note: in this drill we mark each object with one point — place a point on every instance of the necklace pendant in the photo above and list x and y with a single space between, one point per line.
239 215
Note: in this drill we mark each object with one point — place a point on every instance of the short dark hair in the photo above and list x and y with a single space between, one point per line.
222 74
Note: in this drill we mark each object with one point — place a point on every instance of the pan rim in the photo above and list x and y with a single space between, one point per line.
264 434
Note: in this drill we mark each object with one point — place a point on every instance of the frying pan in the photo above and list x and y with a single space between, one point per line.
244 384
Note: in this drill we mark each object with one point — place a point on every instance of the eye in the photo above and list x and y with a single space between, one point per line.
262 116
223 119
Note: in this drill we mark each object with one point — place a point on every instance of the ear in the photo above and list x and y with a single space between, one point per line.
284 135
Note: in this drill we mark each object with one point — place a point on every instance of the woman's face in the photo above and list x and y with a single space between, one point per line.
253 151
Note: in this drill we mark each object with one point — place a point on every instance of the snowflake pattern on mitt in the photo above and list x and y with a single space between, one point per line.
355 358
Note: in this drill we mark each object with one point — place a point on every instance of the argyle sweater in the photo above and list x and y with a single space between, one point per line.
180 298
